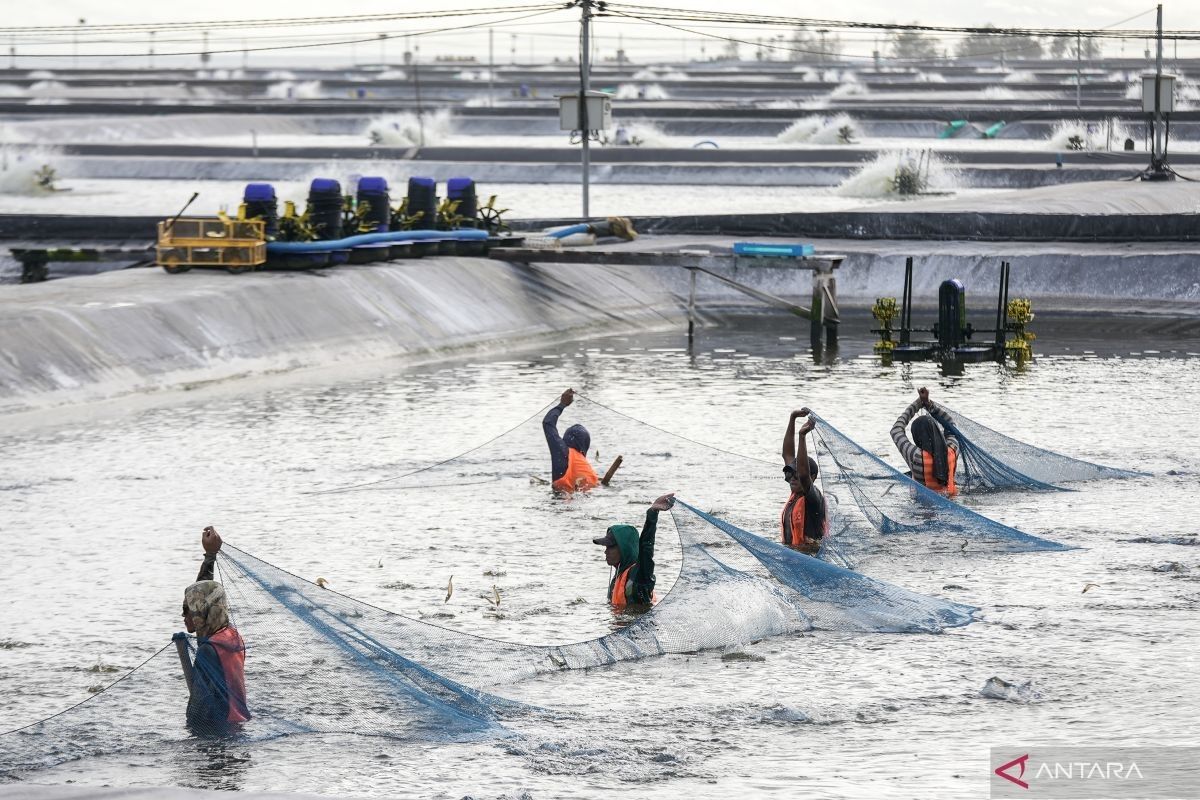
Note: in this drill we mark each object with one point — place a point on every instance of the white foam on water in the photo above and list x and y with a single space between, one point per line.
877 178
649 91
1018 76
849 88
659 74
998 93
22 169
1105 135
303 90
406 130
815 129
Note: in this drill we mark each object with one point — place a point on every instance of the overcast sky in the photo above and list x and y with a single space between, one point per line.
545 37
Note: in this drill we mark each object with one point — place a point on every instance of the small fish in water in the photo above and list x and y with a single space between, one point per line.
380 564
449 589
324 584
963 548
558 662
1087 586
494 597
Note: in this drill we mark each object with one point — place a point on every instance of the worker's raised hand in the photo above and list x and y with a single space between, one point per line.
567 398
664 503
803 412
809 425
923 395
211 540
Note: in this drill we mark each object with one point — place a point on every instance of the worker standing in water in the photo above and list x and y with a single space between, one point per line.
803 522
632 557
931 453
217 699
569 466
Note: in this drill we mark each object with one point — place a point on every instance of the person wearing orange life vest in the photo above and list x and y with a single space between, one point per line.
632 556
217 703
803 522
569 468
932 452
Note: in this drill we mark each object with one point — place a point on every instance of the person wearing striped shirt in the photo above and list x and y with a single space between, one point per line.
931 451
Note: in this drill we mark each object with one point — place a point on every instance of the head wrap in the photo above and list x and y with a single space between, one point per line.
205 601
928 436
577 437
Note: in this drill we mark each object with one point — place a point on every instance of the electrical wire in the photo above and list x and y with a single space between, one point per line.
307 45
282 22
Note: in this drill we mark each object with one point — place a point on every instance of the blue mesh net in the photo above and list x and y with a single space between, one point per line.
321 662
991 460
899 511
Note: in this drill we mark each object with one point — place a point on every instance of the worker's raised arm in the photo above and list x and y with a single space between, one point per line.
789 437
558 448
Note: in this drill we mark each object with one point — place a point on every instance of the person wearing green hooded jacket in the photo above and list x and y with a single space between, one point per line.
632 556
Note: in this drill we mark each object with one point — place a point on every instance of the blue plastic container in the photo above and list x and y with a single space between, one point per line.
772 250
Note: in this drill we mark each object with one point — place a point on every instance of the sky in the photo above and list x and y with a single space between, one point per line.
539 39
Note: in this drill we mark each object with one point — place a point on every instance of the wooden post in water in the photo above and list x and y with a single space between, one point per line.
692 307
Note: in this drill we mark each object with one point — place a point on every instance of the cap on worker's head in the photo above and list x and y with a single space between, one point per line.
607 540
790 469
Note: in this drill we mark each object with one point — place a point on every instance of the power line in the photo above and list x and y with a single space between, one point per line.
802 22
281 22
374 37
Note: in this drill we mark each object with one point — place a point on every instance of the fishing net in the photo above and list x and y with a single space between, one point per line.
902 515
991 460
320 661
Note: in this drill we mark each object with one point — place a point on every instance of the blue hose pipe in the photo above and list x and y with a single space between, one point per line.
461 235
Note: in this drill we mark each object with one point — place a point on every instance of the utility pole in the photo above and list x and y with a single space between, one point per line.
1159 156
383 49
75 43
151 53
1079 68
416 65
585 46
204 54
491 65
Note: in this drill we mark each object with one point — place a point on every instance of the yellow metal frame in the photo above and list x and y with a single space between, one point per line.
237 245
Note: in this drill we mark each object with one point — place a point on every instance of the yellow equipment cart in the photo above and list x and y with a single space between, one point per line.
234 245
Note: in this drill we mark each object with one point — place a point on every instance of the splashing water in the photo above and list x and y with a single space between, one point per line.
815 129
27 170
659 74
286 90
998 93
850 87
650 91
1018 76
1079 135
896 173
644 134
405 130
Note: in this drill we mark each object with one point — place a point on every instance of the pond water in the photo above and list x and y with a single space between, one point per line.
102 510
